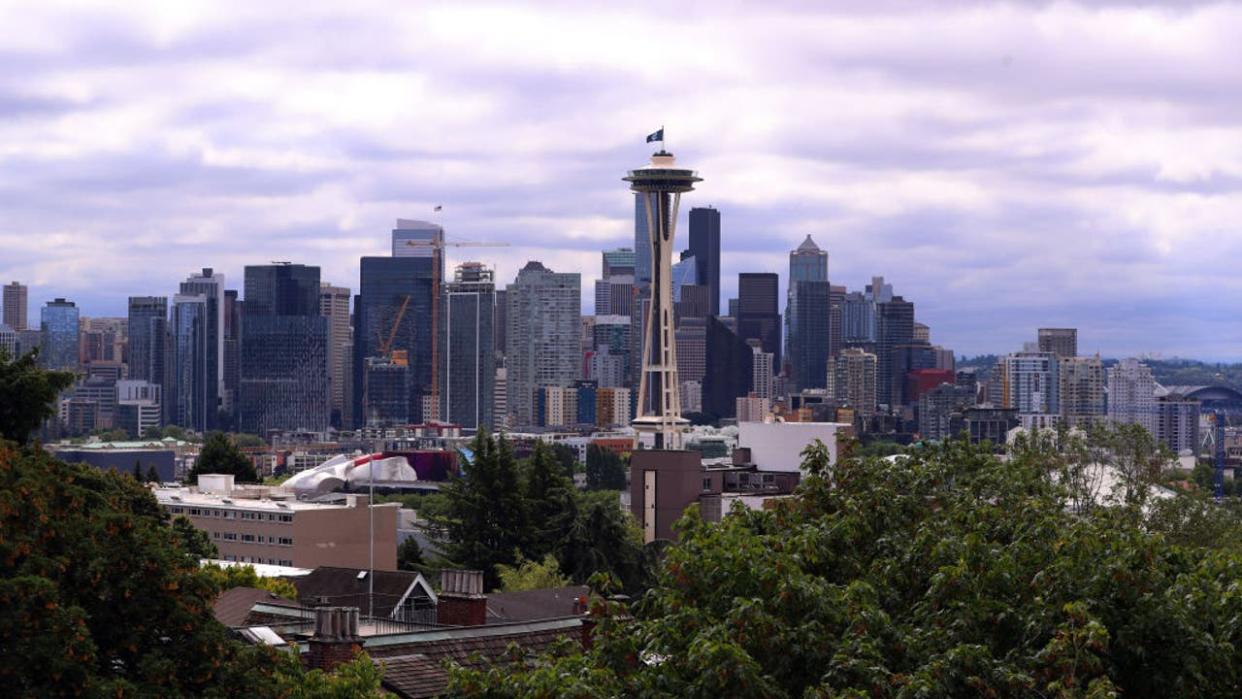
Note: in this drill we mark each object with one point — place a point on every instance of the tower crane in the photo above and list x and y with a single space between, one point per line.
437 263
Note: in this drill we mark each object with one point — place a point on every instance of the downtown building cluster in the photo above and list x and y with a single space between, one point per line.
292 352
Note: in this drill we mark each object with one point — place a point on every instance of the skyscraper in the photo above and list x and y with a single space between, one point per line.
758 311
614 290
148 343
284 353
59 324
231 368
1132 394
15 306
544 335
210 285
427 239
1063 342
189 389
642 245
1030 382
705 247
467 353
729 373
659 186
808 316
894 326
393 325
1080 390
334 305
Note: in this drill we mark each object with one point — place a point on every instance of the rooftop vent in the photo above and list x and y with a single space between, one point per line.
461 582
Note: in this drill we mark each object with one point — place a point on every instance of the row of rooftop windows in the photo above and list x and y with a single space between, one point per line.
259 559
231 514
252 538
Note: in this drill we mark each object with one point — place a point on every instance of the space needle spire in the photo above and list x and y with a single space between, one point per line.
660 185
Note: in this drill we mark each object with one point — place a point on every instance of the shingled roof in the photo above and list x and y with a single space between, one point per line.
232 607
529 605
414 665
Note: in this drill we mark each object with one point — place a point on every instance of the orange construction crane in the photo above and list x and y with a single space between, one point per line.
385 347
437 262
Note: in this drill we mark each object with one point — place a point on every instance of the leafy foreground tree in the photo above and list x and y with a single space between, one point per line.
604 469
220 455
532 575
945 574
27 392
98 597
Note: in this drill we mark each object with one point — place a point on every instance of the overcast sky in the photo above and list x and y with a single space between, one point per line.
1003 166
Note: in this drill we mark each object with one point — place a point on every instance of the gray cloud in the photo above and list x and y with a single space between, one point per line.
1004 165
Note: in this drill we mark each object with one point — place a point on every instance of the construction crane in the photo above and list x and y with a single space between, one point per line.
437 246
385 346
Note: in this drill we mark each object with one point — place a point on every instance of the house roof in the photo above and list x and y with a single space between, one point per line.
549 603
233 606
346 587
414 667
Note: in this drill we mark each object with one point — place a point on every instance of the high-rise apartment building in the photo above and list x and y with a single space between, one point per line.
612 407
334 305
1030 382
8 341
1063 342
230 370
544 317
1177 423
705 248
857 319
393 334
894 327
283 382
467 353
1132 394
855 378
761 373
210 285
758 313
59 323
1080 390
15 307
941 410
614 290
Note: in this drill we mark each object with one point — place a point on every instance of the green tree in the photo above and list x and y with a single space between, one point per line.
603 539
410 555
548 503
193 540
567 457
153 476
946 573
604 469
27 392
246 441
219 455
531 575
94 584
138 471
229 577
485 521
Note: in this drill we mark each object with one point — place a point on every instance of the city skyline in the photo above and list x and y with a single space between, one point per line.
991 173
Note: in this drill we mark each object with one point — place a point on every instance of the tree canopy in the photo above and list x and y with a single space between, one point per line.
501 510
27 394
946 573
604 469
220 455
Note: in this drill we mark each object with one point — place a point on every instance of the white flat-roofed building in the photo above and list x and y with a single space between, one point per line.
777 446
257 524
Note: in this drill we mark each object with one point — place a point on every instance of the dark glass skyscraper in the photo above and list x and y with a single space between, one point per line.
758 312
189 390
810 333
386 285
705 247
148 318
467 353
729 372
894 326
210 285
284 352
59 324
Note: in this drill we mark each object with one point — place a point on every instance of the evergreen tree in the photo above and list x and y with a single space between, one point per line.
27 394
153 476
549 504
219 455
410 555
604 469
138 471
485 517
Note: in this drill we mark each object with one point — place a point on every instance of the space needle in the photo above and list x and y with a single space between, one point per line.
660 185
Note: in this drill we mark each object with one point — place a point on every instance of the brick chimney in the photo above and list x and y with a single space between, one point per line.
461 599
336 638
